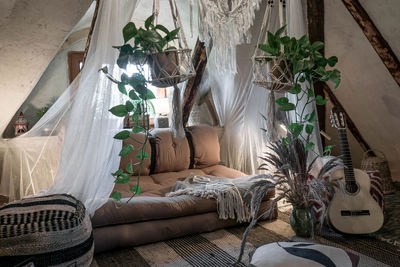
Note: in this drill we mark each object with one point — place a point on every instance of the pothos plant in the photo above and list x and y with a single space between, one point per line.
145 41
150 39
308 66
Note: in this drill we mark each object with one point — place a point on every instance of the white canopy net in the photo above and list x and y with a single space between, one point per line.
71 149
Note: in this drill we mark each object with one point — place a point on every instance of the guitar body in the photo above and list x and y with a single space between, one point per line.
355 213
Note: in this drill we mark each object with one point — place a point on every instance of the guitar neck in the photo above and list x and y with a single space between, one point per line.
348 163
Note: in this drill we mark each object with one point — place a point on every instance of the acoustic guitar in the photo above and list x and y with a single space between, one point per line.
353 211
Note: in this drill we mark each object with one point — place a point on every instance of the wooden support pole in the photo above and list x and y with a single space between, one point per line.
350 124
89 38
199 59
376 39
316 32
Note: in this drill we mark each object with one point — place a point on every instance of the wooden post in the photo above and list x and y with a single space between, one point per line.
199 59
89 39
350 124
316 32
376 39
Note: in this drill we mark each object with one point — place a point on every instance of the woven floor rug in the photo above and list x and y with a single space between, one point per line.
221 248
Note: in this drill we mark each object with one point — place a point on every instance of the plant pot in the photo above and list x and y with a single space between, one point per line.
164 68
276 77
302 221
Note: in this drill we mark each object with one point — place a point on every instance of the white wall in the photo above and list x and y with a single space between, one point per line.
368 92
30 35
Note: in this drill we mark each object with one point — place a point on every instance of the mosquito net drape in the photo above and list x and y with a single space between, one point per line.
71 149
239 103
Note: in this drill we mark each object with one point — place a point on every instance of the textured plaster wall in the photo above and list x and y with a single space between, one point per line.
368 92
30 34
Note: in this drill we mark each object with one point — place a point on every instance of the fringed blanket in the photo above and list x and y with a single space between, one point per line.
232 203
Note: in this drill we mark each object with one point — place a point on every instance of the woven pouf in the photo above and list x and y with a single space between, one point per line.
51 230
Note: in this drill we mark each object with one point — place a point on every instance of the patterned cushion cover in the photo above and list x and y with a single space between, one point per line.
302 254
51 230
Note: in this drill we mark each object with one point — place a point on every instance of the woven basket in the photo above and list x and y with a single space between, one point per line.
51 230
379 163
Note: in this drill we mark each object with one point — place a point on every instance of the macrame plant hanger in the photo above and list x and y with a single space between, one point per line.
171 67
270 72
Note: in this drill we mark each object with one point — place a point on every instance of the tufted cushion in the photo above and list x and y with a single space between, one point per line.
132 156
46 231
172 154
302 254
205 145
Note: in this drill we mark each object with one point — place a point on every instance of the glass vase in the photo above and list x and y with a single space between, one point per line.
302 221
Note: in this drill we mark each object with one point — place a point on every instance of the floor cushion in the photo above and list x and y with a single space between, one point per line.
52 230
301 254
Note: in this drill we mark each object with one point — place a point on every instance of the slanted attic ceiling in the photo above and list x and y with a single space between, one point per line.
30 35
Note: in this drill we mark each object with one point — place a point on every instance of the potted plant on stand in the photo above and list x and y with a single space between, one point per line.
294 65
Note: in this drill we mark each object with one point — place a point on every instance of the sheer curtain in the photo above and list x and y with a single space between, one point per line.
239 103
71 149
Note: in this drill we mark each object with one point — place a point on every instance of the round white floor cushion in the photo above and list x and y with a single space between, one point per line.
299 254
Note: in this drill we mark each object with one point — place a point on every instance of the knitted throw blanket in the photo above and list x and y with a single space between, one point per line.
229 193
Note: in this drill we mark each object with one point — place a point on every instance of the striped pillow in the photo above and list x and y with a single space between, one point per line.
46 231
302 254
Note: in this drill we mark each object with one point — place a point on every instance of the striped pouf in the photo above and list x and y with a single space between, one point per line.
51 230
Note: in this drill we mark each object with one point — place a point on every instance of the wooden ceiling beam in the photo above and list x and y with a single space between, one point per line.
376 39
316 32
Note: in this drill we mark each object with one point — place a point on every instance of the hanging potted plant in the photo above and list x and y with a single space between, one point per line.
152 46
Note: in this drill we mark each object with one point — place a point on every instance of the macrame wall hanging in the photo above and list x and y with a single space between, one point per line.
269 72
171 67
224 24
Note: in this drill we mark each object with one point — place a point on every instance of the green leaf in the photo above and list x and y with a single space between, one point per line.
150 95
125 55
309 128
312 117
148 21
335 77
317 46
282 101
172 35
122 179
142 155
286 140
129 168
119 111
287 107
121 88
117 173
116 196
137 129
129 31
267 49
293 126
302 79
129 106
332 61
310 93
328 149
298 129
271 40
296 89
104 70
309 145
280 31
133 95
320 101
122 135
126 150
162 28
136 189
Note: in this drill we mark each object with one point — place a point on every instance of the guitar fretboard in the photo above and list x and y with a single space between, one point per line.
348 163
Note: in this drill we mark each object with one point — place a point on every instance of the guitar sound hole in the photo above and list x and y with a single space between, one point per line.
352 188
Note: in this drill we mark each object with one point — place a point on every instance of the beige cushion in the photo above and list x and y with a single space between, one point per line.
172 154
206 146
